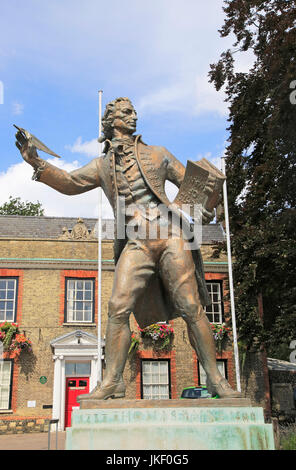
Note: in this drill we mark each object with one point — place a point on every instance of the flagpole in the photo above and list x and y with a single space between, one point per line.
232 303
100 254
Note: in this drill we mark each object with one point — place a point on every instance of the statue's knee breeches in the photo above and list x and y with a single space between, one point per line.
118 309
191 310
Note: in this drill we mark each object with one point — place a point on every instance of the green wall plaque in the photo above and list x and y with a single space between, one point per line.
43 379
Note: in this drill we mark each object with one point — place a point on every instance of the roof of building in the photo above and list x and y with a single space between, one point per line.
15 226
277 364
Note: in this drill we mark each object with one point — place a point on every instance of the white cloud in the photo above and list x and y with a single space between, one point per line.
17 108
155 53
207 99
89 148
17 182
170 98
193 95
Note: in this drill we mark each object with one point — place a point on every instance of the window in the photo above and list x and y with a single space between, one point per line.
215 310
79 300
8 289
5 384
221 364
155 380
77 369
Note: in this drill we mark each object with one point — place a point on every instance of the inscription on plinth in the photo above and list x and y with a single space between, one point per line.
171 428
167 416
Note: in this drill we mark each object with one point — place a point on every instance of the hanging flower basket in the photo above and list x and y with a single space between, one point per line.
160 334
220 333
13 341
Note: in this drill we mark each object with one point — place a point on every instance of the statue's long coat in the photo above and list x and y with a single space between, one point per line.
157 165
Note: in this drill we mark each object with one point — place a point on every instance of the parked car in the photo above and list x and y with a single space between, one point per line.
196 392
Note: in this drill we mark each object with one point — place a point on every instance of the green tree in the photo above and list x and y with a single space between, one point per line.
17 207
260 166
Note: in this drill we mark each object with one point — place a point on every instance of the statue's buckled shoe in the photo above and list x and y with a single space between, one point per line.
222 389
116 390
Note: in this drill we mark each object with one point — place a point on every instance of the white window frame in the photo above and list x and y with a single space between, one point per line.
221 364
76 374
155 380
5 383
215 310
71 309
7 300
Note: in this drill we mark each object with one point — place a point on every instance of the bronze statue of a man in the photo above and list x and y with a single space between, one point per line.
156 278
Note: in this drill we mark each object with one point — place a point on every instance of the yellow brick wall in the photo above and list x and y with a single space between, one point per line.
62 249
41 317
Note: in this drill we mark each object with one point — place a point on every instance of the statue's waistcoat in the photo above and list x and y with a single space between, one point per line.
131 184
151 165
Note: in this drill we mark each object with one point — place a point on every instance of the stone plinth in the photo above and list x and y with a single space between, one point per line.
231 424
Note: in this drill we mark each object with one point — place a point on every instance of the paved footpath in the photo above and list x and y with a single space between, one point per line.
32 441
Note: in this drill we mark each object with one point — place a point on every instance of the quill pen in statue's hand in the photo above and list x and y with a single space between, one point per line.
34 142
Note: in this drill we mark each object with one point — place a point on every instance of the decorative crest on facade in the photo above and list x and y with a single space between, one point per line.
79 232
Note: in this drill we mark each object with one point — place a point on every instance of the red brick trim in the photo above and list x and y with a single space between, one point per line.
222 277
152 354
15 372
228 357
216 276
195 369
15 377
21 418
14 382
83 274
20 275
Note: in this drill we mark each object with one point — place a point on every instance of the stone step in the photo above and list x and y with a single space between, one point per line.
185 403
148 425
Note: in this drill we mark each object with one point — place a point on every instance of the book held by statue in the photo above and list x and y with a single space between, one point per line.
202 184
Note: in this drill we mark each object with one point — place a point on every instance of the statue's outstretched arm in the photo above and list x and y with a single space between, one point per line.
74 182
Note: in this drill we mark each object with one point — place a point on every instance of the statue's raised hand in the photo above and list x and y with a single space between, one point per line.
27 150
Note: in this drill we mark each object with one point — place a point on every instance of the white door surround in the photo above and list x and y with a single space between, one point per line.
71 347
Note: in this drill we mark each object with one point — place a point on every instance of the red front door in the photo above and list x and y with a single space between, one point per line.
74 386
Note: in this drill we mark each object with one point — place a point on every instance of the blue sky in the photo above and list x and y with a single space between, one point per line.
56 55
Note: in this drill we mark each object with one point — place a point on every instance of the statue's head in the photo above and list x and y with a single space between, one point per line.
119 114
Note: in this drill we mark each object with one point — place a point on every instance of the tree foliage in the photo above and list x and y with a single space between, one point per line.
17 207
260 166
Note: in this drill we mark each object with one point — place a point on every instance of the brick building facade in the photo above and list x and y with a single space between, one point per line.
48 280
